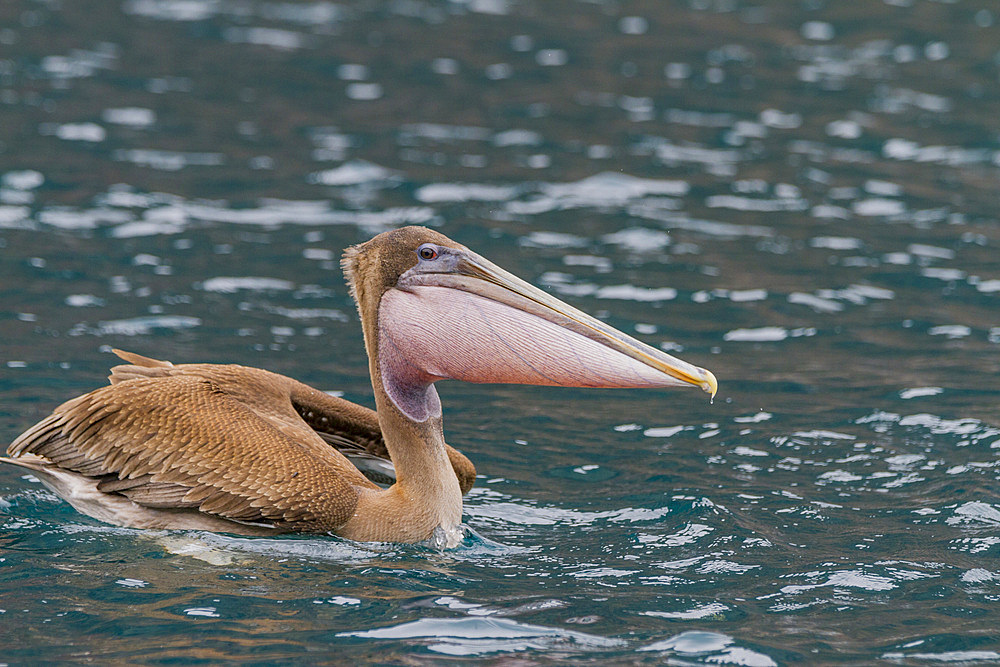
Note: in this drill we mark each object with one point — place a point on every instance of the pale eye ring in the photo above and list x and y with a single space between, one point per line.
427 251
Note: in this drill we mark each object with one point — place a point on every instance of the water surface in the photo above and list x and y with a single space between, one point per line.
800 197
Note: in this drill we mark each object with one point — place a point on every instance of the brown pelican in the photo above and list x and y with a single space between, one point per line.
241 450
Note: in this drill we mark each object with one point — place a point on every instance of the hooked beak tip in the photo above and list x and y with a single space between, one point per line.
709 383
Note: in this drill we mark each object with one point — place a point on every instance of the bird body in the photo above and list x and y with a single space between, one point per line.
235 449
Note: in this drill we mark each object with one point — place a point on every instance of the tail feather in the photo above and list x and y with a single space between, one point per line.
28 461
138 367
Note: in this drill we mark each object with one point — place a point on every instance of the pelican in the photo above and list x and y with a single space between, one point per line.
241 450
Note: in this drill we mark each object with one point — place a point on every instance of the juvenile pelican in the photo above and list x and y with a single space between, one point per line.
241 450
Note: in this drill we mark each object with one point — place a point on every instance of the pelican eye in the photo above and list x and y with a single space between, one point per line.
427 251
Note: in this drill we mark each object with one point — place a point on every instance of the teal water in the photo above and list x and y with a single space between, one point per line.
801 197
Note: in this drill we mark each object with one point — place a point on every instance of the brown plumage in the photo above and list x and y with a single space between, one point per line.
243 450
176 437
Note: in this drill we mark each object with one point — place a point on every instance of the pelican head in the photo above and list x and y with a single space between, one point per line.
432 309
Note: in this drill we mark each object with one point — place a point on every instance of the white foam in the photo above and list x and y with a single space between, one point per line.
146 228
919 392
964 657
718 646
975 511
552 240
847 579
817 30
363 91
13 216
988 286
228 285
663 431
440 132
843 129
355 172
83 301
835 242
25 179
552 57
759 335
910 151
698 612
461 192
633 293
139 326
745 295
877 206
353 72
85 219
950 331
760 205
88 132
137 117
817 303
209 612
638 239
171 10
167 160
840 476
652 211
517 138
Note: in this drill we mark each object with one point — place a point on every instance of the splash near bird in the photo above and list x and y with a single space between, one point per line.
241 450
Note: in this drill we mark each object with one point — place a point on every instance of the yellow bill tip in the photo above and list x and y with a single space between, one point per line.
709 383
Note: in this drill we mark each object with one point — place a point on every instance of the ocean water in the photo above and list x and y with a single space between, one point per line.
801 197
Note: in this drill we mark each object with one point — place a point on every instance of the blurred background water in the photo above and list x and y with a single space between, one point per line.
800 196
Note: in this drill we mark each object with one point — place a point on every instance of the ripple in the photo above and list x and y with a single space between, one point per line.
759 335
230 285
168 160
698 612
835 242
946 656
714 647
712 228
136 117
552 240
817 303
83 301
137 326
759 223
276 38
760 205
171 10
975 512
482 636
844 579
638 239
25 179
878 207
14 217
208 612
601 190
355 172
464 192
950 331
633 293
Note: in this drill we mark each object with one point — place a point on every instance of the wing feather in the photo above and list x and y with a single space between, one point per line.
183 441
239 443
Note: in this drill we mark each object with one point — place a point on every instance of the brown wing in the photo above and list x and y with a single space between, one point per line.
348 427
241 443
184 439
